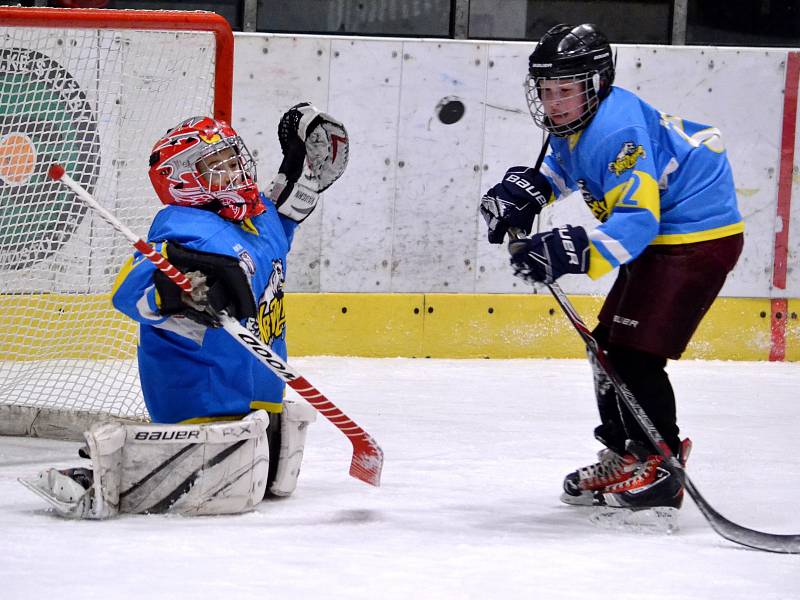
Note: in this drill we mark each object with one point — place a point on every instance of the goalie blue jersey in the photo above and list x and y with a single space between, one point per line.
649 177
189 372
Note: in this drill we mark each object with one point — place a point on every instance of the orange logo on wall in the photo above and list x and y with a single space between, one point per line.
17 158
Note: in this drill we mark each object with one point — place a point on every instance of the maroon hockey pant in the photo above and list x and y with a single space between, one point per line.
649 316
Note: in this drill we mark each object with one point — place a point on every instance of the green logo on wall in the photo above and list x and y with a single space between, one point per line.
44 118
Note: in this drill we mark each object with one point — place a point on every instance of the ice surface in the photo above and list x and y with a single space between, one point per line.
468 507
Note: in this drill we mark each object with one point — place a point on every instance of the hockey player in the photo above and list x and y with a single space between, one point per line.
231 241
663 191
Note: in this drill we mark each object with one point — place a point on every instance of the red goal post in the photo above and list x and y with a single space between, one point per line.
144 20
90 89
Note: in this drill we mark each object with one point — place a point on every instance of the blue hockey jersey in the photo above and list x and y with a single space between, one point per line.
189 372
649 177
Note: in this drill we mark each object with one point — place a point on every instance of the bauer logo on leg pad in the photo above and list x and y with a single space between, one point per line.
166 436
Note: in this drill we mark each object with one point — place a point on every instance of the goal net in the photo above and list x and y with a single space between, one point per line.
91 90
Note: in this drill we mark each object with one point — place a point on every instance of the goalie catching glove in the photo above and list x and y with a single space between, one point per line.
218 284
547 256
514 202
315 151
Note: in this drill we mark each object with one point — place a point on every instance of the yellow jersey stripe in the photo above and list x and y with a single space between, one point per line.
699 236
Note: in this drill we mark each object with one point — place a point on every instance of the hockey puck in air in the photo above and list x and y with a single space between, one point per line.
450 110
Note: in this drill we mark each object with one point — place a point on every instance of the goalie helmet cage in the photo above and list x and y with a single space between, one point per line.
91 90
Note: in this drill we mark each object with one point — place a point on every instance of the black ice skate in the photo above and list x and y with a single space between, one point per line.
648 500
652 483
584 487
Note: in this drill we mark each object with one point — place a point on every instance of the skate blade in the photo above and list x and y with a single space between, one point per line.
655 520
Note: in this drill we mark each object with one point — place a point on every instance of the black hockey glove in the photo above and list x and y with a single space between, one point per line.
514 202
218 284
547 256
315 151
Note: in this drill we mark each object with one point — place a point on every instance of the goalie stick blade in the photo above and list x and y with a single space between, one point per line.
367 462
758 540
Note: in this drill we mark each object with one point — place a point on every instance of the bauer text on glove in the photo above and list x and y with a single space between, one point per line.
547 256
514 202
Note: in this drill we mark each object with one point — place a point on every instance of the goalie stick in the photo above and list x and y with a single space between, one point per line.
367 461
760 540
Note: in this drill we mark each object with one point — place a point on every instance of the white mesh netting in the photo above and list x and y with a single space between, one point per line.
93 100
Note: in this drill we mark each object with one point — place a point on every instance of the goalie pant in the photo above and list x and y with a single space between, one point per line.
209 469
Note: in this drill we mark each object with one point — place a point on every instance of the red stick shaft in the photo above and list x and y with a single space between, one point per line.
163 265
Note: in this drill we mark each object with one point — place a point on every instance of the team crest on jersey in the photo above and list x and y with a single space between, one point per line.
627 157
271 310
598 207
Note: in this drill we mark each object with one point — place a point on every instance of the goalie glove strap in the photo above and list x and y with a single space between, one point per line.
294 201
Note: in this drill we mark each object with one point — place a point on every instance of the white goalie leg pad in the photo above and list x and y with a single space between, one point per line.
295 418
106 442
209 469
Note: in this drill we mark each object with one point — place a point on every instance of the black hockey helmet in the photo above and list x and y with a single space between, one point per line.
571 54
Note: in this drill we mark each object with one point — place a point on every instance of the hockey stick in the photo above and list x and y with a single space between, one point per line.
770 542
542 152
367 461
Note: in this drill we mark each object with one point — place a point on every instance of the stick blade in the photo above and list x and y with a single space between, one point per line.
367 462
759 540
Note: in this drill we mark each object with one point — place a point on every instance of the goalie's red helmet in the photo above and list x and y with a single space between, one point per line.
572 67
202 162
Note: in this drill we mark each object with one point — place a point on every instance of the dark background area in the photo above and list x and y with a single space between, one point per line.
701 22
